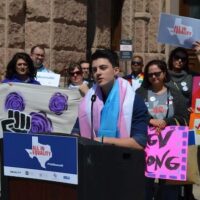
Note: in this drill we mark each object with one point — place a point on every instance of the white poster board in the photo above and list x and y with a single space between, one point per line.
48 79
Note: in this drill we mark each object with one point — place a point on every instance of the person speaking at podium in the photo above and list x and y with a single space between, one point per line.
111 112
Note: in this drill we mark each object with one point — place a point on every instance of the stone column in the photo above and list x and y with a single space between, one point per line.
135 19
140 23
15 41
127 19
134 23
155 50
37 27
102 18
69 21
59 26
2 34
127 31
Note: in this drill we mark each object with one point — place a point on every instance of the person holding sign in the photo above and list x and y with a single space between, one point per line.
182 79
111 112
166 106
21 69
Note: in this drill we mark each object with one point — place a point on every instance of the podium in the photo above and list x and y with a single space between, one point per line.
105 172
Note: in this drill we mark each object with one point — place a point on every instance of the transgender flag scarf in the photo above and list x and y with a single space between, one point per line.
112 119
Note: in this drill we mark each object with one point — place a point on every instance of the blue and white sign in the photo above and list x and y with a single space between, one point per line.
43 157
193 138
126 49
178 31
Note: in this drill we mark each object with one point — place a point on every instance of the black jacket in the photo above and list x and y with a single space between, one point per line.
180 109
177 79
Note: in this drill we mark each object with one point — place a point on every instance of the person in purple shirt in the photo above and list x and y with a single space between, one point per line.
20 69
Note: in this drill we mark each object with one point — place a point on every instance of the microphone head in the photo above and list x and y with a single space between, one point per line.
93 98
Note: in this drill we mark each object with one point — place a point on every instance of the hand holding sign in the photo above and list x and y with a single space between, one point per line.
16 122
158 123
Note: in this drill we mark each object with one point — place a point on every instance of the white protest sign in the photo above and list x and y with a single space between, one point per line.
48 79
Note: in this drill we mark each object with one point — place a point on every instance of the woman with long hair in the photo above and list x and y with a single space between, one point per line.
178 65
166 106
21 69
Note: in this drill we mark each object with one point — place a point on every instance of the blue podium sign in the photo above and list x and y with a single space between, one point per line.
43 157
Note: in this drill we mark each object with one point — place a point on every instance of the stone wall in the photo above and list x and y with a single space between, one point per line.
69 28
140 23
59 25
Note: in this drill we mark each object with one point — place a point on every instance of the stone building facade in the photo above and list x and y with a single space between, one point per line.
71 29
58 25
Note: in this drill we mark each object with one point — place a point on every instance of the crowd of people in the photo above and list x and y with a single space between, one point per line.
156 94
166 92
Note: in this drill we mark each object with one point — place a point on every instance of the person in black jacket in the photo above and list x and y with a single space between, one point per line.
180 76
166 106
155 84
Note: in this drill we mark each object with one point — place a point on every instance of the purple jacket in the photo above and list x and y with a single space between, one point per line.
15 79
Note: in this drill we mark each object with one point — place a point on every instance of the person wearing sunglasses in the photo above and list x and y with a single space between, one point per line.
136 76
76 80
181 78
179 73
166 106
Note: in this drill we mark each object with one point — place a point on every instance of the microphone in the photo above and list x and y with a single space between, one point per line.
93 99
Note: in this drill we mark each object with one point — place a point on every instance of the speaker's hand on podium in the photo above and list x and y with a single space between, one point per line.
16 122
99 139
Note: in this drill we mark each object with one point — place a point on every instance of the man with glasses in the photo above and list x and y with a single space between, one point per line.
136 76
85 66
38 56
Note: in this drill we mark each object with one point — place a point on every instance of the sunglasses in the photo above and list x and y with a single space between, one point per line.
77 73
136 63
183 59
156 74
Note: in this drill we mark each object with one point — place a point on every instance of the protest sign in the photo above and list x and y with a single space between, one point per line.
48 79
177 30
194 125
31 108
41 156
196 94
194 136
166 153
